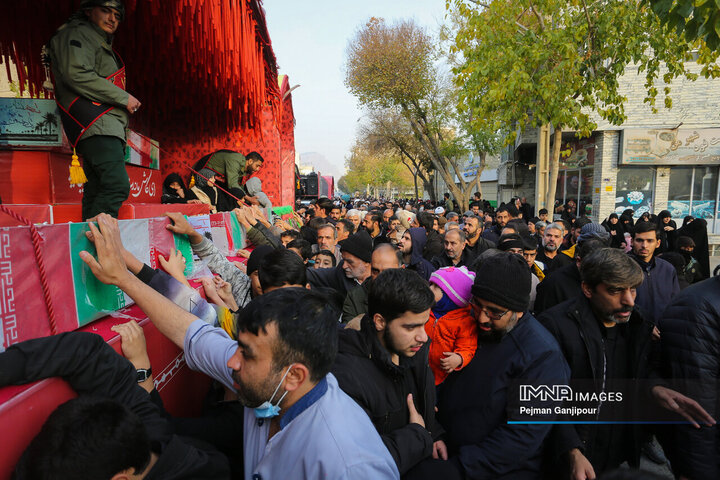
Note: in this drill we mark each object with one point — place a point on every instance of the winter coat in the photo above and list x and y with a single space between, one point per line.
442 261
356 301
82 58
456 331
334 278
365 371
434 245
473 404
552 264
417 262
579 334
659 286
690 346
492 234
92 367
480 246
562 285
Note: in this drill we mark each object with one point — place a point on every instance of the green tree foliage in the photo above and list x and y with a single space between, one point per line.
696 19
373 165
388 131
528 63
393 67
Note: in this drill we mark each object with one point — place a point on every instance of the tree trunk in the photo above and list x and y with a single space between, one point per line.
415 175
554 167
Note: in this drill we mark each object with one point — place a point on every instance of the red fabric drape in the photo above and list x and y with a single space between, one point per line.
197 62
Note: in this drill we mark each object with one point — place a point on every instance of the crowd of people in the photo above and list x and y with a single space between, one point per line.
382 339
374 338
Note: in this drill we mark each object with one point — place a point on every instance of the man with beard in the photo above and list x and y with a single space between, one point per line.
384 367
476 244
383 257
549 255
352 271
454 254
661 282
411 246
473 403
504 214
564 283
373 225
279 367
606 340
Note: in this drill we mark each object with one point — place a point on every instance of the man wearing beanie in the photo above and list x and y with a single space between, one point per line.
451 328
473 403
353 270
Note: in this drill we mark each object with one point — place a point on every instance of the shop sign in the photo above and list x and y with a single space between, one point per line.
657 146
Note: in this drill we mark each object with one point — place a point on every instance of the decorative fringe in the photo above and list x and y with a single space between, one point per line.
77 174
223 51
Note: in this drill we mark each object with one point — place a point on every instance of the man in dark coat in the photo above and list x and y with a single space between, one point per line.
384 367
352 271
411 245
550 255
661 282
455 254
690 357
475 243
383 257
434 244
606 341
473 403
564 283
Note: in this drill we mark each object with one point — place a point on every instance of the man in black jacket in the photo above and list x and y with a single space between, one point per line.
434 244
690 357
455 254
384 367
474 403
564 283
661 281
476 244
608 343
123 430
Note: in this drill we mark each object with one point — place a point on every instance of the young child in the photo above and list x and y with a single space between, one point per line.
451 328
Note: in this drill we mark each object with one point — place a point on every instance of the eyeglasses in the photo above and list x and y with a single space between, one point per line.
491 313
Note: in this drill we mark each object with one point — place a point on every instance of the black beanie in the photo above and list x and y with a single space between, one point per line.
359 244
256 256
504 279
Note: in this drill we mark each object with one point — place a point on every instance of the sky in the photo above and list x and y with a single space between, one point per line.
309 39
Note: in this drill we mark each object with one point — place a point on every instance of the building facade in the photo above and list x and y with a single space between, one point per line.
654 161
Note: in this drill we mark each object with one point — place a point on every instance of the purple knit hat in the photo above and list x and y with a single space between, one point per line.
455 282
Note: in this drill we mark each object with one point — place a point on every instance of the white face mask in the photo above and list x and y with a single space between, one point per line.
267 409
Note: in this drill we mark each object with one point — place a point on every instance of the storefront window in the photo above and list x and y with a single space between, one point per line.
635 186
693 191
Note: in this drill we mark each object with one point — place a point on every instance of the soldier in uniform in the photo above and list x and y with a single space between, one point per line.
89 81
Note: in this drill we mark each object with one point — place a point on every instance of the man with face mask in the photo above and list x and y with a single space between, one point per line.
279 367
473 403
606 340
384 367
